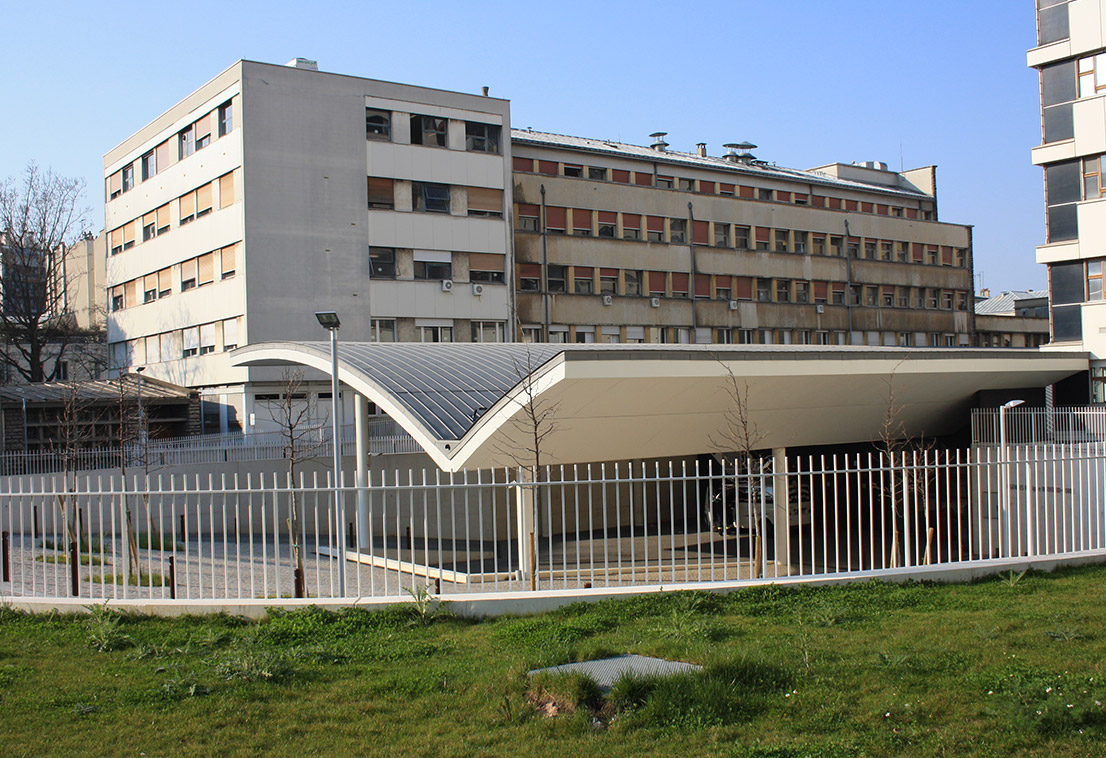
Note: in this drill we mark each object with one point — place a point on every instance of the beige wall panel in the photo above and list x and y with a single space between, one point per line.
1089 117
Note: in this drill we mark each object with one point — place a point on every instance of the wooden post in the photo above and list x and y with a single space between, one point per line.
74 570
172 577
533 564
6 555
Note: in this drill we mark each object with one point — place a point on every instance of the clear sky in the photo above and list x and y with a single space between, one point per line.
911 83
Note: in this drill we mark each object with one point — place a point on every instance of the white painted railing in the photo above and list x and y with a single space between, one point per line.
1026 425
559 527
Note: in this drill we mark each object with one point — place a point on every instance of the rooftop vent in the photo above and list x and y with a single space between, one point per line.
701 149
658 141
877 165
738 152
305 63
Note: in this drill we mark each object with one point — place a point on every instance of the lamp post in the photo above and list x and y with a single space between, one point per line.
1004 496
329 320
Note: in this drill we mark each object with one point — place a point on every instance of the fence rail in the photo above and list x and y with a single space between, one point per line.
385 438
1024 425
559 527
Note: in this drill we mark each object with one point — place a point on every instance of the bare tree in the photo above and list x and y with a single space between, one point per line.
75 427
735 444
39 219
301 432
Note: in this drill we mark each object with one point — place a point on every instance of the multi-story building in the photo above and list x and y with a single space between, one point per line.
1071 58
263 197
273 192
623 243
1012 319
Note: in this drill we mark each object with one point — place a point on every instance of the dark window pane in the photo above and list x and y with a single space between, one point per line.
1062 224
1067 323
1058 123
1062 182
1053 23
1065 281
1058 83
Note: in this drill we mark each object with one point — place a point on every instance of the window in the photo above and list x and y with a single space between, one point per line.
781 241
854 248
680 284
190 341
802 292
1092 75
764 290
556 220
764 194
631 226
428 130
481 138
382 262
608 281
188 272
870 249
148 163
432 266
115 185
573 171
532 334
483 201
800 245
383 330
687 184
129 231
207 339
202 130
149 227
529 277
677 231
378 124
1092 178
903 254
164 282
608 224
435 334
885 250
836 245
783 290
597 174
557 278
838 294
149 288
226 118
1062 192
486 267
654 228
887 296
726 189
128 177
721 235
230 334
203 200
962 301
1052 22
581 222
528 217
430 198
381 193
583 280
665 182
818 244
117 302
932 296
186 143
632 280
487 331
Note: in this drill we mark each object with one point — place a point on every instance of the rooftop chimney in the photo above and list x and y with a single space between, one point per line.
701 149
658 141
485 91
744 156
304 63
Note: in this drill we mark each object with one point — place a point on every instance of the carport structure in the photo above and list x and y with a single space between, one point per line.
466 404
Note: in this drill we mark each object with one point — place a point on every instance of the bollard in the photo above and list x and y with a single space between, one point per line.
74 570
349 535
172 577
183 533
6 555
35 521
437 585
409 545
298 590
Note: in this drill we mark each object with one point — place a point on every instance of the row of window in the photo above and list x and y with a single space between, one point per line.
176 344
432 131
1077 282
195 136
384 330
190 206
685 335
629 226
431 265
429 197
588 280
704 187
189 274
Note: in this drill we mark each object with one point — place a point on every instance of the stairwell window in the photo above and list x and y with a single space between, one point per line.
430 198
378 124
482 138
382 262
428 130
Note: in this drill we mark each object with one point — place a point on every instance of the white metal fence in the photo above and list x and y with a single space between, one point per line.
386 437
1026 425
562 527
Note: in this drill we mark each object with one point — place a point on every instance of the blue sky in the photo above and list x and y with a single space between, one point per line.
810 81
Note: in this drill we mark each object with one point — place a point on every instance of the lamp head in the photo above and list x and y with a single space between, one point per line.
328 319
1013 404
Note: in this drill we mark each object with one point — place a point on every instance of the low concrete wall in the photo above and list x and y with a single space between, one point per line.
477 605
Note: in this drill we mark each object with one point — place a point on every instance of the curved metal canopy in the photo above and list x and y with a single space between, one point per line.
466 404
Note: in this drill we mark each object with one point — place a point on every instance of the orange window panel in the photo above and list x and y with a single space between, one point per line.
620 176
642 179
522 164
203 199
700 233
206 268
226 189
581 218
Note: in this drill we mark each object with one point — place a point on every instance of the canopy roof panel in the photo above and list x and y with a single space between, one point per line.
466 404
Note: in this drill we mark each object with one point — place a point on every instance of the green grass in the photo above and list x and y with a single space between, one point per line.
134 580
83 560
996 668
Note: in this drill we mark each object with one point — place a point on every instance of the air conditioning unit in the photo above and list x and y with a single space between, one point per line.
608 300
447 285
733 305
477 289
655 302
819 309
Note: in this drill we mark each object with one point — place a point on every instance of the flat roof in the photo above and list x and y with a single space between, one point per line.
466 404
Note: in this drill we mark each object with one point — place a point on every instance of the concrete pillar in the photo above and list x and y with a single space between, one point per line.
781 511
361 468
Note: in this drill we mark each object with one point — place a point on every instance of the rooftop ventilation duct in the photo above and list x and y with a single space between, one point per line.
658 141
305 63
738 152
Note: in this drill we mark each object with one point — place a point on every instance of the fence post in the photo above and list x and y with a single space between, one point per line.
74 570
6 555
781 509
172 577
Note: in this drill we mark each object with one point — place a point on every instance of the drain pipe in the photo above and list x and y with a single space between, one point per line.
691 284
544 268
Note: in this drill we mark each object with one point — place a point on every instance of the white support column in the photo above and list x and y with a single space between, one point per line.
361 468
527 527
781 512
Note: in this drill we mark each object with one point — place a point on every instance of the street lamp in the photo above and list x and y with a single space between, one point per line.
1004 496
329 320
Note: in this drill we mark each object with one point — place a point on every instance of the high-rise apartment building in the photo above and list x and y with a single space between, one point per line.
1071 58
273 192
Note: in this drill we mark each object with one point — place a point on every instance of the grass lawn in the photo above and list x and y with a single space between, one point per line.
1010 666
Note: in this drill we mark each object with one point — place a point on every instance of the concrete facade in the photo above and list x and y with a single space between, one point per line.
1071 59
